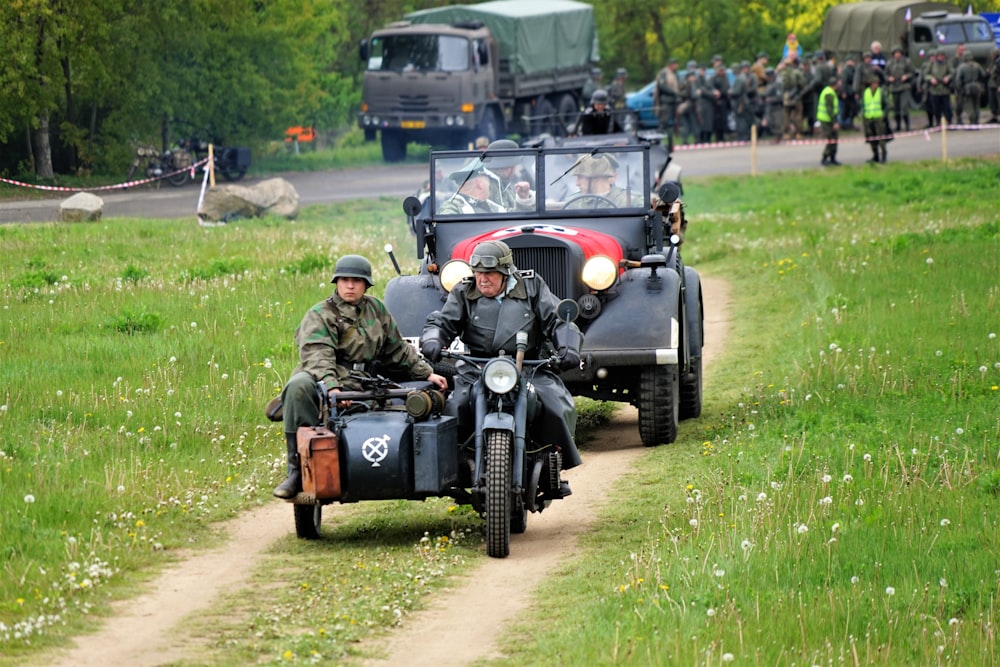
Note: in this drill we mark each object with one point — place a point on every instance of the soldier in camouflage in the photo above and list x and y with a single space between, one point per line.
338 339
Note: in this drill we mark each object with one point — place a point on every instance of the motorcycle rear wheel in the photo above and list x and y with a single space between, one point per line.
179 179
307 521
498 501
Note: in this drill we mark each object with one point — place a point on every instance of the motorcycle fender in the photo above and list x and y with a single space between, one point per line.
435 455
641 326
498 421
410 299
376 456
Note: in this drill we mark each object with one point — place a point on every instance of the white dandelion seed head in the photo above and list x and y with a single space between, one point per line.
29 499
761 497
121 488
943 582
710 612
173 360
827 500
194 325
890 591
728 657
59 392
930 260
835 528
855 580
693 523
746 545
802 529
827 479
868 458
719 572
945 523
952 622
992 335
938 353
848 478
959 431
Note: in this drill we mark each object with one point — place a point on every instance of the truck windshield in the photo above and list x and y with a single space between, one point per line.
961 32
419 53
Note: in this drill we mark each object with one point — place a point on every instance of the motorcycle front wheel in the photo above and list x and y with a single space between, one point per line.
179 179
498 501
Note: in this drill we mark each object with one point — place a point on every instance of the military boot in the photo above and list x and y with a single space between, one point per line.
293 484
884 154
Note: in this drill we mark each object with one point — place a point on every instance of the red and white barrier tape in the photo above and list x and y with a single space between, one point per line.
118 186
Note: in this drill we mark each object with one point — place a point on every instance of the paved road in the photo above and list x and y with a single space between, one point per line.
402 180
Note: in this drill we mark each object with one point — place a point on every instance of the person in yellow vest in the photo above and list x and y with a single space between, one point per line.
827 112
873 109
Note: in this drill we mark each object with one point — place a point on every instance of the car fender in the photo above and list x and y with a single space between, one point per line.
643 317
411 299
694 326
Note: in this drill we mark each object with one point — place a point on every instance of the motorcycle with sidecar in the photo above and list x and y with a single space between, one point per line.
401 441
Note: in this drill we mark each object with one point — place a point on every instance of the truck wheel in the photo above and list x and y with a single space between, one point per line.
658 405
498 481
393 146
568 110
545 118
690 407
489 126
307 521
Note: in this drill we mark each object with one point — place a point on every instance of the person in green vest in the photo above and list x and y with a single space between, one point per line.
873 109
827 113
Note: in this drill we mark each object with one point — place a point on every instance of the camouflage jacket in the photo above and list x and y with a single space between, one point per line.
336 338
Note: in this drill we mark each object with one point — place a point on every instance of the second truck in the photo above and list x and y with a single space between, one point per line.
450 75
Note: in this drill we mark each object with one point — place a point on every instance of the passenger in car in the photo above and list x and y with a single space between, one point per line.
595 178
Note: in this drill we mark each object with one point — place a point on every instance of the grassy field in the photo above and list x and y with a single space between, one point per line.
837 502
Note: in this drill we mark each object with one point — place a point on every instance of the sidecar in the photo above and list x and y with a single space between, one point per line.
389 444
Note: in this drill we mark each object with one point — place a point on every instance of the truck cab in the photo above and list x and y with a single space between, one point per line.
586 225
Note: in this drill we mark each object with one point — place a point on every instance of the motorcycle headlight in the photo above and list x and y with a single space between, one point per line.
454 272
500 375
599 273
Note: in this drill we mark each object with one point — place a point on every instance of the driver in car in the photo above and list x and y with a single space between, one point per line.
487 311
595 178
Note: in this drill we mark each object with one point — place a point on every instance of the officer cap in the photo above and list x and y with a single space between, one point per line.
492 256
353 266
596 165
473 167
600 96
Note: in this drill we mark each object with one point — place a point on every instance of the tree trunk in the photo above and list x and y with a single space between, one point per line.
42 149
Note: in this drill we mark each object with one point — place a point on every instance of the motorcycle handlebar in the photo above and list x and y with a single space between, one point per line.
551 361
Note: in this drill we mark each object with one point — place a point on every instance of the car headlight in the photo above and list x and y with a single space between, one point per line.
500 375
599 273
454 272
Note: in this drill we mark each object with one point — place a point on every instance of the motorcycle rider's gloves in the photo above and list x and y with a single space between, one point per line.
431 349
568 358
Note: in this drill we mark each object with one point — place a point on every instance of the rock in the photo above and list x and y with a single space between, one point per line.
81 207
227 202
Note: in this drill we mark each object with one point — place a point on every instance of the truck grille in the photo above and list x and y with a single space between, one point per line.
552 264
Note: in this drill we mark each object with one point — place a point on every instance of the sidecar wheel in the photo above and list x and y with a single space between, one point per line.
307 521
498 502
659 405
691 391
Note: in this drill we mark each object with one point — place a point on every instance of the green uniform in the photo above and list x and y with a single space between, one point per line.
336 339
793 82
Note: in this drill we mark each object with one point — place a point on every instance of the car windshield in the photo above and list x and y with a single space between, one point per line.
540 182
978 31
419 53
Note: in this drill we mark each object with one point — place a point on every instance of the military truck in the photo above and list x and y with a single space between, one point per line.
916 27
449 75
640 306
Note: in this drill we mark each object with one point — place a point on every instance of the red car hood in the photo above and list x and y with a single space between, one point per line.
592 243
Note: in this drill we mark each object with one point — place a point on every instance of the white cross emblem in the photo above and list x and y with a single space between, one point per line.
375 449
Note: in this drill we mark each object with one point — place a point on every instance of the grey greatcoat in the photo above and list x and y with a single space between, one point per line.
488 325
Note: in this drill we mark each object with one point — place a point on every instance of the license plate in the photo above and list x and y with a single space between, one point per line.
413 124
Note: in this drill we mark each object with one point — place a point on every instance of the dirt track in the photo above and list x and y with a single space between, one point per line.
142 632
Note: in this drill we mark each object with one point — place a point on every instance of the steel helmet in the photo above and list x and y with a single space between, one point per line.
596 165
353 266
600 96
492 256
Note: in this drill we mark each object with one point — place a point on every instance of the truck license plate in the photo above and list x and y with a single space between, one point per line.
413 124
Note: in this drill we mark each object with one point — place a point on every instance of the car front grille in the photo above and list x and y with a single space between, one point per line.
552 263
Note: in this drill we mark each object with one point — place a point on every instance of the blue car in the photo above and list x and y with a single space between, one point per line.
640 102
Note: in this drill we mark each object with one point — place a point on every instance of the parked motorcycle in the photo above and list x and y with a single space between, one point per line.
394 441
172 165
231 162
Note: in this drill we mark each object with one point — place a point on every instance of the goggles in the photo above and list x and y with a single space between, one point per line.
484 261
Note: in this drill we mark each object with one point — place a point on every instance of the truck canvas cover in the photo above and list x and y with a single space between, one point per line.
534 37
852 27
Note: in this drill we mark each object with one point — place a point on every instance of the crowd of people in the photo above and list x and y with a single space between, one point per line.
702 104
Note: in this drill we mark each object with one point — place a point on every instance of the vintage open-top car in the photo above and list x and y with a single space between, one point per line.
584 219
